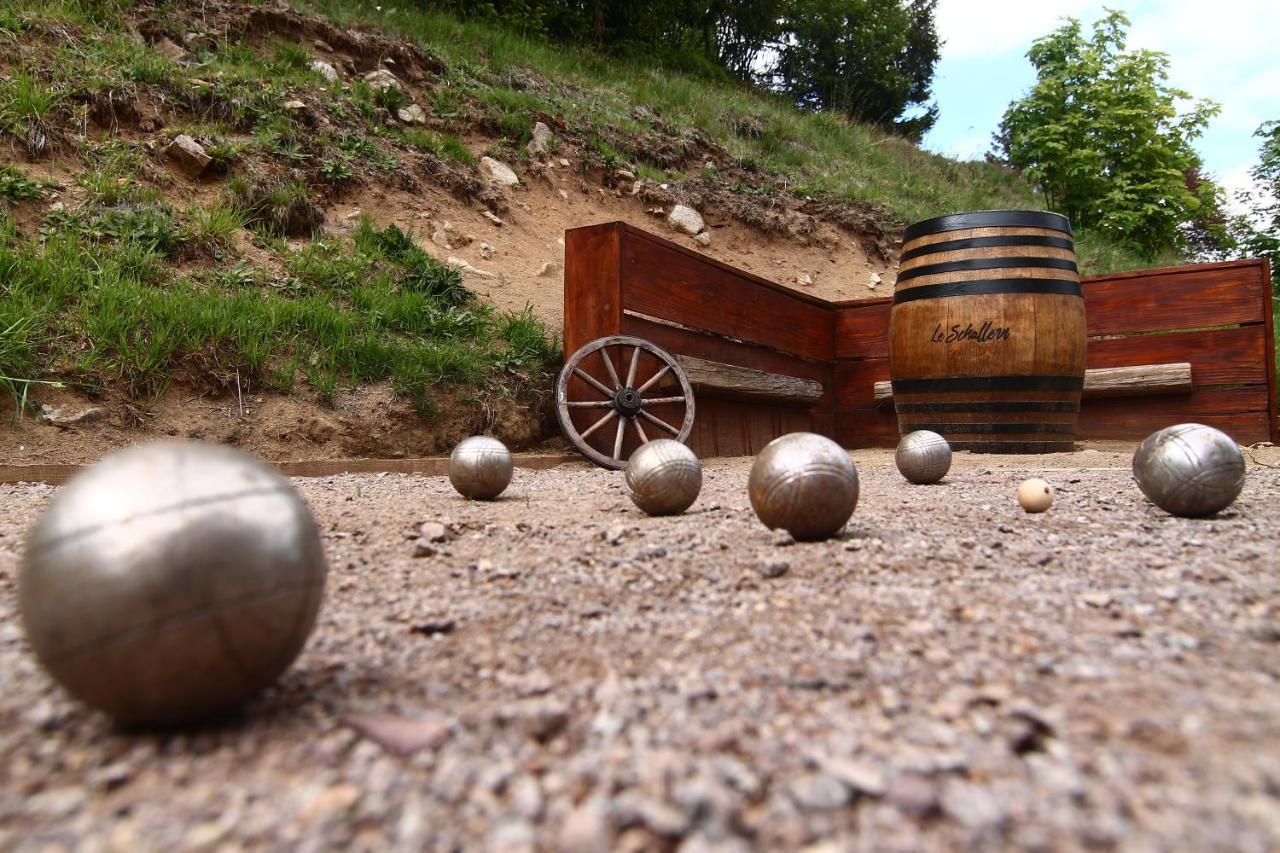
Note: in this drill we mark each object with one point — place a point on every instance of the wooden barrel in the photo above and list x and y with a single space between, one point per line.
987 335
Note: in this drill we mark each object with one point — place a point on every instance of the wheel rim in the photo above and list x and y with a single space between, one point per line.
611 389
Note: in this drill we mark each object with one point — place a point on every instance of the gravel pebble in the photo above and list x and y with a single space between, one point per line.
560 672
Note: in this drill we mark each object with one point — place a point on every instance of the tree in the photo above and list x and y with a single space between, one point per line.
1101 134
870 59
1257 232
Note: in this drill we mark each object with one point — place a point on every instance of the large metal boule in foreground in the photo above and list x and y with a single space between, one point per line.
1190 470
171 581
663 477
480 467
805 484
923 457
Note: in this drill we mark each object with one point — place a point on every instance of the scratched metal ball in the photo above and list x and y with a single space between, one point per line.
480 467
171 581
923 457
1190 470
663 477
805 484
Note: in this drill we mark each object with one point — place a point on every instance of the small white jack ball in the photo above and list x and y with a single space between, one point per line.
480 467
923 457
1035 495
663 477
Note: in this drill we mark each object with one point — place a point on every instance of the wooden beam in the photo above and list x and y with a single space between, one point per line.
736 381
1143 380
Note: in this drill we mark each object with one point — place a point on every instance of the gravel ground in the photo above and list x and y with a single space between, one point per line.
563 673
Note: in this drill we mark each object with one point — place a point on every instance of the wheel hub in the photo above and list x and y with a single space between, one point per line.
628 402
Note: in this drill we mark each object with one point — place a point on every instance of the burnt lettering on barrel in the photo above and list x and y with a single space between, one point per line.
985 333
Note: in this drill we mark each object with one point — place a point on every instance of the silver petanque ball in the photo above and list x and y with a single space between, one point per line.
1190 470
663 477
804 483
923 457
480 467
171 581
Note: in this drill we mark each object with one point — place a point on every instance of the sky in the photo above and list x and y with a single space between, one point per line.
1224 50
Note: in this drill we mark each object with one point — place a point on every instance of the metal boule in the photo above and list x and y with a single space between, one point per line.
805 484
480 467
663 477
171 581
1190 470
923 457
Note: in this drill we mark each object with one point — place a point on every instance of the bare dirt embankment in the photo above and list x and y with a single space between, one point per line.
564 673
509 237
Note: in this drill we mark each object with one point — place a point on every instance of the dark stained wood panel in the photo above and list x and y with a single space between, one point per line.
734 428
686 289
855 382
856 428
1218 356
592 284
1181 298
1244 428
1269 324
862 328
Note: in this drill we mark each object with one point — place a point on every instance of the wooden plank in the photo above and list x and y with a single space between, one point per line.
1141 380
1179 298
737 381
713 348
687 289
1137 381
1269 309
433 466
592 284
1218 356
862 328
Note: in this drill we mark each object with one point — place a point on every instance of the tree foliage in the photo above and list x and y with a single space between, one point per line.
1256 233
869 59
1101 134
872 60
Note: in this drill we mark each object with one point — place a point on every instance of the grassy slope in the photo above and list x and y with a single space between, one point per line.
133 286
819 155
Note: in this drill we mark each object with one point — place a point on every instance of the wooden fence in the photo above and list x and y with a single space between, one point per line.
622 280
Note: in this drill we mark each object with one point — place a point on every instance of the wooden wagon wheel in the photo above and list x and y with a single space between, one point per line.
604 411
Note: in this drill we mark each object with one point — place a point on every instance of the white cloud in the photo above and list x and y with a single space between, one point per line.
1224 50
972 28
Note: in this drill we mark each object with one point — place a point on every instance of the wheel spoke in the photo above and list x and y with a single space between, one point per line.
592 381
666 368
654 400
659 422
617 438
644 439
613 413
631 372
589 404
608 365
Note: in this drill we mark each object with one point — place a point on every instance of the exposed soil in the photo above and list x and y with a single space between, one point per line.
564 673
833 250
369 422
